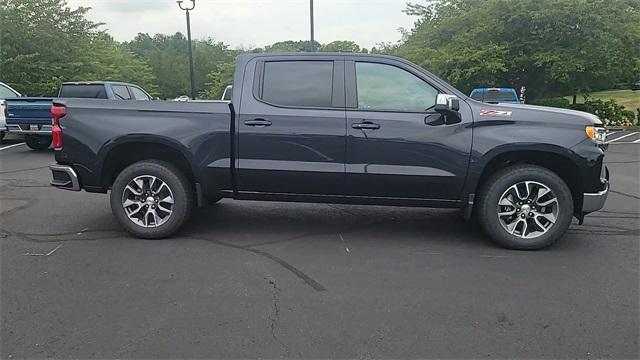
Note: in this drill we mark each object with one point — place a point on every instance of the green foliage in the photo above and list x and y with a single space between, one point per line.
340 46
218 81
44 42
168 57
558 102
608 111
291 46
554 47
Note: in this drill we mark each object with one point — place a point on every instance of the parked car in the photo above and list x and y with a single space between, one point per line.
6 92
336 128
496 95
31 116
636 86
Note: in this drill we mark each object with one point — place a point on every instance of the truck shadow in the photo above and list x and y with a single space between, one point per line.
248 224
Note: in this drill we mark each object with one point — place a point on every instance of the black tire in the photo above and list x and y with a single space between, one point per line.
182 191
498 184
38 142
1 136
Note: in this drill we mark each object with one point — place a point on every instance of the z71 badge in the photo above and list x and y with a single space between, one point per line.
485 112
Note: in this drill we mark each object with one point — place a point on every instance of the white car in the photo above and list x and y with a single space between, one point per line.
5 92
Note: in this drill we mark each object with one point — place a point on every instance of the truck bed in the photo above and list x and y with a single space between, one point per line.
92 128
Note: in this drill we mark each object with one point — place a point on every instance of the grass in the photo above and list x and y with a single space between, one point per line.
627 98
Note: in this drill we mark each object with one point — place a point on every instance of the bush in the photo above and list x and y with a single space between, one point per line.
608 111
558 102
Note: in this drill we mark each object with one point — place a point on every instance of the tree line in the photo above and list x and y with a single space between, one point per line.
553 47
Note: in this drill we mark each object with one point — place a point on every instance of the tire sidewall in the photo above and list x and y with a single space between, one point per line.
176 181
500 182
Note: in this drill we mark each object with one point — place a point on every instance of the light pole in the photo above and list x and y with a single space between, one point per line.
313 45
186 10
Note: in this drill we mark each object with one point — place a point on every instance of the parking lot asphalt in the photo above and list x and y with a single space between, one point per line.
257 279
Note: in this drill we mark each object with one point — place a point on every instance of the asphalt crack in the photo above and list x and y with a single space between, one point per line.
274 317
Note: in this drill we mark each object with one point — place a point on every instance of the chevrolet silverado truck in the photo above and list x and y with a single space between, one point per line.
31 116
336 128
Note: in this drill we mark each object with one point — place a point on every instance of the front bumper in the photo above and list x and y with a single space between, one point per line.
28 129
595 201
64 177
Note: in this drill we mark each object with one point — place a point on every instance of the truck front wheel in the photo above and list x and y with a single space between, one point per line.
525 207
38 142
151 199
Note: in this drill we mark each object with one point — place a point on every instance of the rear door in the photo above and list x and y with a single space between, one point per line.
291 126
397 145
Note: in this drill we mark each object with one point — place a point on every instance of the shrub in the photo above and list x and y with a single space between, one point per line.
608 111
558 102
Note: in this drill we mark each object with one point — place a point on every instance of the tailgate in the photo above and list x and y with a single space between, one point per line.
29 111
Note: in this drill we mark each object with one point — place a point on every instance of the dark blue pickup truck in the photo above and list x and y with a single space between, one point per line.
336 128
31 116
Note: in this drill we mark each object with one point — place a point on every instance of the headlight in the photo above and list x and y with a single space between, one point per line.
597 134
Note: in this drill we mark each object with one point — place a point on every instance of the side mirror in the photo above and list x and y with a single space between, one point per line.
447 103
448 107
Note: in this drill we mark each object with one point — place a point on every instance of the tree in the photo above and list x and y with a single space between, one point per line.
41 43
340 46
554 47
168 57
44 42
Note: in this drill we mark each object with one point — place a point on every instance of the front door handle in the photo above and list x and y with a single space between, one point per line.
367 125
258 122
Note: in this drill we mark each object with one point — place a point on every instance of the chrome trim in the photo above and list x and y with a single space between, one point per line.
75 183
16 129
595 201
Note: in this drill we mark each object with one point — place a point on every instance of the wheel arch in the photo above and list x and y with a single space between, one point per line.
126 151
557 159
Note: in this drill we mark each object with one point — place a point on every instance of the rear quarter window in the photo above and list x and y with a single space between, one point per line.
87 91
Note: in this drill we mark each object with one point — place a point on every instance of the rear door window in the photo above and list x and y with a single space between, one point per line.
298 83
120 92
87 91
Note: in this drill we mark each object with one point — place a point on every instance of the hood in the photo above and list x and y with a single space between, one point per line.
520 112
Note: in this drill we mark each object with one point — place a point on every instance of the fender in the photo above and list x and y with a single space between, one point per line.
151 139
479 163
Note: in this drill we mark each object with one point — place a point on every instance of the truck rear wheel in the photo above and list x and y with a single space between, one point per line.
525 207
151 199
38 142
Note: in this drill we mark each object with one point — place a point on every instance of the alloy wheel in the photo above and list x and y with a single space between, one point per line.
528 209
147 201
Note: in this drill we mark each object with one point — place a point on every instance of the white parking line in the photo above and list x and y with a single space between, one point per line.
611 133
623 136
10 146
637 141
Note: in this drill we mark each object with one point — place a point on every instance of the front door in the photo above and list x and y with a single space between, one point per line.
397 145
291 127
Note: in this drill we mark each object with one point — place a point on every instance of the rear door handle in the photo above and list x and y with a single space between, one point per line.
258 123
368 125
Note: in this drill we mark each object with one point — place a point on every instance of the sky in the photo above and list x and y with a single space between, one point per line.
255 23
